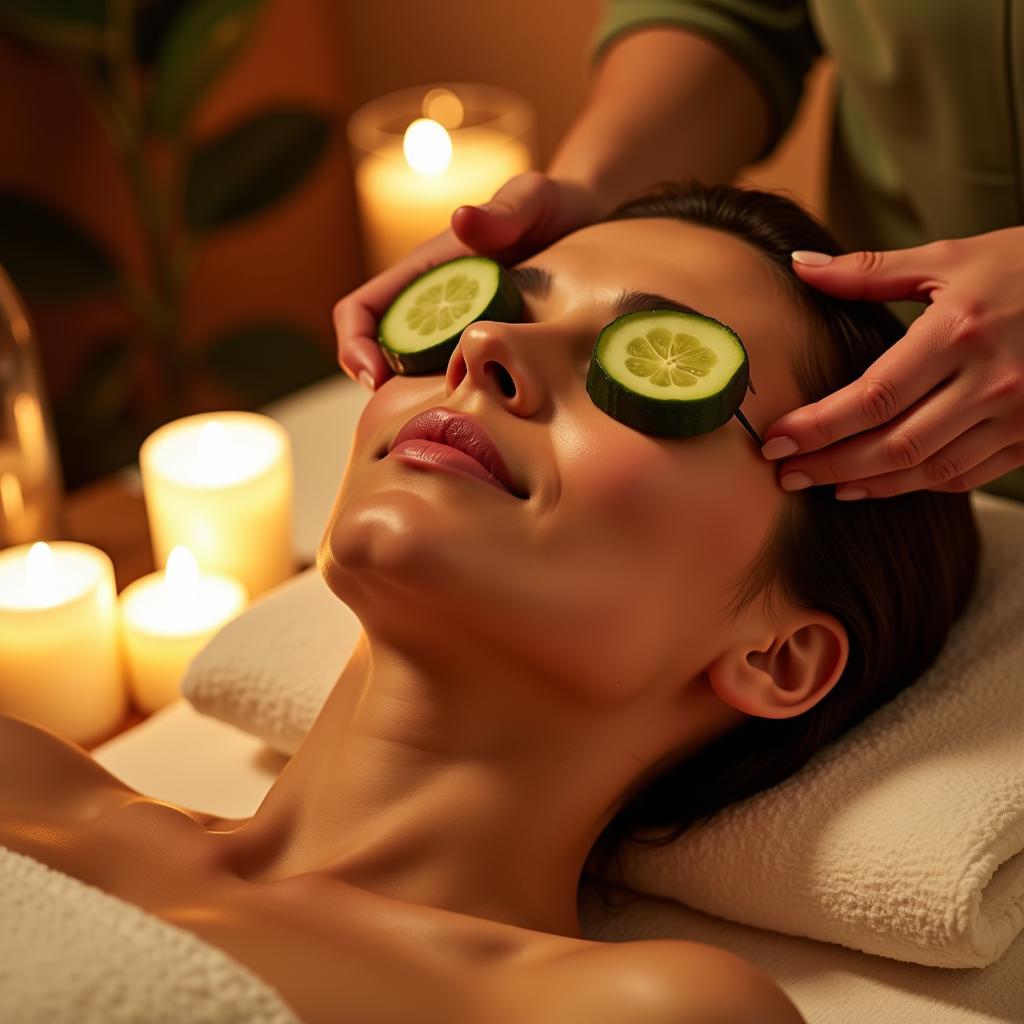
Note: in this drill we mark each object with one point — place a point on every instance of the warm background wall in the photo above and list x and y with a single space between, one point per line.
294 260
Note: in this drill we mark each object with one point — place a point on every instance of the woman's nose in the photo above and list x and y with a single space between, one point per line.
489 353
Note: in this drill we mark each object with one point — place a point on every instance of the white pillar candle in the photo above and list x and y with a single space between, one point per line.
167 618
221 484
60 663
401 207
412 172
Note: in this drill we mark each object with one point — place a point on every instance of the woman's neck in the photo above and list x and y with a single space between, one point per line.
441 785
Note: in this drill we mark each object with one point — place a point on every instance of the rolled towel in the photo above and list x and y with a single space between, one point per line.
903 838
269 671
73 954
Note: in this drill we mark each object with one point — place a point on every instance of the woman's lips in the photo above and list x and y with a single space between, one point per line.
443 456
463 433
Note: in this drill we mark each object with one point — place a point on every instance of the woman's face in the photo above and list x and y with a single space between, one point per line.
613 574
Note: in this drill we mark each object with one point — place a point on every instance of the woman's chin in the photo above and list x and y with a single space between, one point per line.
396 541
423 539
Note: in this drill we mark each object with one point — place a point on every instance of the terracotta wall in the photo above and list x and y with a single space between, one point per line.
302 254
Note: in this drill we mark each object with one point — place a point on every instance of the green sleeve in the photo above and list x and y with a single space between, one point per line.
773 39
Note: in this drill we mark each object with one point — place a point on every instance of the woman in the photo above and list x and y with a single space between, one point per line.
636 632
925 165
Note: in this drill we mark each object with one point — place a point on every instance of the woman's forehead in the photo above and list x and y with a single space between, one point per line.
661 254
716 273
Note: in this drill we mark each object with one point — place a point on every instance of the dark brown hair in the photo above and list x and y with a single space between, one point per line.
895 571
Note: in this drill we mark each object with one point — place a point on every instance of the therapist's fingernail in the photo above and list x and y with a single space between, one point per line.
795 481
851 493
778 447
366 379
810 259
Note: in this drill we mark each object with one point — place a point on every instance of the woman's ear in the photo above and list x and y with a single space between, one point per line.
787 673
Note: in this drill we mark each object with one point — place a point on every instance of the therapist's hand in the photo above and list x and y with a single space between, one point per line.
943 408
528 213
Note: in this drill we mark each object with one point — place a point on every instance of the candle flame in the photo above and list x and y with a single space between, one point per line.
444 106
427 146
40 572
181 576
215 448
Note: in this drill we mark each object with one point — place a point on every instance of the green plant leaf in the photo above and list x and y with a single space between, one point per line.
98 420
62 24
264 361
202 42
47 256
154 21
106 381
252 166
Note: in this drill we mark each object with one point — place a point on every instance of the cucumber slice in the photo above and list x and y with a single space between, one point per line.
668 373
420 329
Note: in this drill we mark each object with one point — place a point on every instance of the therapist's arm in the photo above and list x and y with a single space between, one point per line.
663 103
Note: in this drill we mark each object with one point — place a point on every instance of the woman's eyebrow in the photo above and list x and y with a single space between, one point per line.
534 280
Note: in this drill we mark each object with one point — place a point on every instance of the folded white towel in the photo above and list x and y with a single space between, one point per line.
73 954
904 838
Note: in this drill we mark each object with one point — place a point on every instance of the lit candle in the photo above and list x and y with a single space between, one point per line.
166 619
221 484
60 664
409 184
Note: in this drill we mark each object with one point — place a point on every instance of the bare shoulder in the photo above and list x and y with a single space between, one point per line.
659 981
693 983
42 772
40 769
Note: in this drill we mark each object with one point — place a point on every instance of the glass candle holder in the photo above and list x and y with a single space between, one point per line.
419 153
31 484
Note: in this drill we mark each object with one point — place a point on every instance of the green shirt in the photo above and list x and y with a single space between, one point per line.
929 121
928 133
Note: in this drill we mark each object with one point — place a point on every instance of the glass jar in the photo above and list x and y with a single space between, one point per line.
408 183
31 485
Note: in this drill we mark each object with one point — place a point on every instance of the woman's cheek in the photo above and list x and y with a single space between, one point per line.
641 487
667 512
395 402
611 509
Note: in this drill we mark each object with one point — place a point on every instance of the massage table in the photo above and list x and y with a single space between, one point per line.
183 756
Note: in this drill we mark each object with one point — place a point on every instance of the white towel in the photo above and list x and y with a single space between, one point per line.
904 838
73 954
270 670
